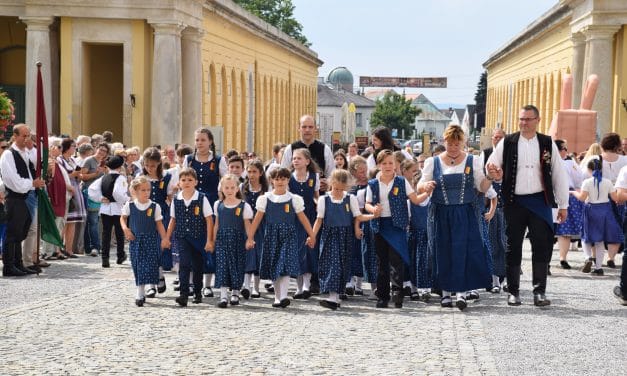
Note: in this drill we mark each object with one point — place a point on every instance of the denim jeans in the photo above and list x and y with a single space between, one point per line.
91 236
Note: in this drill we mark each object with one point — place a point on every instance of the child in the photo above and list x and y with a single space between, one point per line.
208 167
254 186
141 222
386 196
409 168
233 217
599 224
305 182
340 160
335 215
111 190
192 225
363 238
237 168
162 187
280 251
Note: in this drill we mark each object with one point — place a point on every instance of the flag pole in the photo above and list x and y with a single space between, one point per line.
39 162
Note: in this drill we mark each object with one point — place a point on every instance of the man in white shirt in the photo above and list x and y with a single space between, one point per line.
533 182
18 175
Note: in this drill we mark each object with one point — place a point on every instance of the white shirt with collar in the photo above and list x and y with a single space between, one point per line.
354 205
12 180
120 194
529 170
206 206
384 191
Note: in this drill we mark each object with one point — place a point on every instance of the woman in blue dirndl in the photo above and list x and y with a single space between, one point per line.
461 256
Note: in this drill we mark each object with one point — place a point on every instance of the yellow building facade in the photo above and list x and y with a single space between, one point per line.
154 71
579 37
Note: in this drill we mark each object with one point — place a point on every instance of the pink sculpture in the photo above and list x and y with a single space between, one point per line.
576 127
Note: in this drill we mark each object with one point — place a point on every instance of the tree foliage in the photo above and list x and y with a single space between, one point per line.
395 112
480 100
279 13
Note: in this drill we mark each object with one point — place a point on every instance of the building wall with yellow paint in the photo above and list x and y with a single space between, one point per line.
530 68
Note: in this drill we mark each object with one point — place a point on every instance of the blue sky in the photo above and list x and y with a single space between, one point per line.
423 38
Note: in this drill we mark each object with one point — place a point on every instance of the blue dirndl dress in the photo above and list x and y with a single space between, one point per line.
230 246
573 225
308 256
280 251
421 259
496 235
600 224
145 249
253 256
208 174
357 265
159 194
454 232
336 244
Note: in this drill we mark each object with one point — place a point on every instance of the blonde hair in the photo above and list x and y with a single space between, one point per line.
355 162
135 183
340 176
229 177
454 133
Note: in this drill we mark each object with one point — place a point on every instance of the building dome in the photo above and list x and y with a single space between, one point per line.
342 78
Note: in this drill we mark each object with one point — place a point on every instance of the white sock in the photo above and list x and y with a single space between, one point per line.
600 253
224 293
191 278
495 281
141 291
207 278
407 284
587 250
413 289
358 281
277 290
460 296
299 284
349 284
373 286
285 284
160 272
235 293
333 296
246 281
256 280
306 281
446 293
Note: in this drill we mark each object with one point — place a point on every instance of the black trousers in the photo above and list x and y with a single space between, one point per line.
112 222
390 268
18 223
190 260
517 220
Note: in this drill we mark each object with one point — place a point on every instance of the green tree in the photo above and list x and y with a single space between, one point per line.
279 13
480 100
395 112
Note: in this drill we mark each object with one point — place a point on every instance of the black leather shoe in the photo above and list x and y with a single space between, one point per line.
314 288
407 291
299 295
328 304
285 302
181 301
197 299
461 304
382 303
446 302
565 265
350 291
307 294
223 304
140 302
34 269
161 287
269 287
245 293
343 297
540 300
26 270
12 271
105 263
513 300
397 298
121 260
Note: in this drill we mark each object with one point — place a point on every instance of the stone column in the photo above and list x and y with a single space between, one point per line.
165 112
38 49
579 56
599 43
191 53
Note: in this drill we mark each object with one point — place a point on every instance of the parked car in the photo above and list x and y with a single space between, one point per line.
414 145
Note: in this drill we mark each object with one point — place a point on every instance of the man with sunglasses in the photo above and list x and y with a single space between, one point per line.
533 183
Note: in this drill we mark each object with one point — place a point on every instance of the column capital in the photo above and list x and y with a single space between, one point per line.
593 32
167 27
578 38
37 23
193 34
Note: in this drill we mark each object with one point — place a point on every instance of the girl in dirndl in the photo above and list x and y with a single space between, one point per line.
142 224
599 222
336 211
232 222
361 267
162 187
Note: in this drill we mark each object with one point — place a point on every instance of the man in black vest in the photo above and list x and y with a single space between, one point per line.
18 175
533 182
320 152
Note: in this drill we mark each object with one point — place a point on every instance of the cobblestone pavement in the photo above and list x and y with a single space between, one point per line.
77 318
